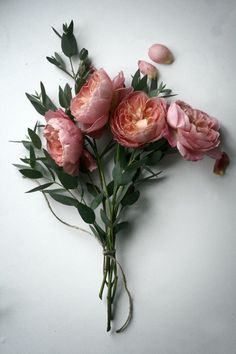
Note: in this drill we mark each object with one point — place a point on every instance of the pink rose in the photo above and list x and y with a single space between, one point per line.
64 141
120 92
194 132
91 105
160 54
139 120
147 69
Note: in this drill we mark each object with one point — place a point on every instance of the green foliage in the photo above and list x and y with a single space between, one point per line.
86 213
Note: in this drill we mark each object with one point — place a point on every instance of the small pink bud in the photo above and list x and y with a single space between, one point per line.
221 164
147 69
160 54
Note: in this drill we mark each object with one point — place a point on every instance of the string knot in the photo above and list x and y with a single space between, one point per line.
109 252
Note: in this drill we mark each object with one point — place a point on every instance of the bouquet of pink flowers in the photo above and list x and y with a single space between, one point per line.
105 141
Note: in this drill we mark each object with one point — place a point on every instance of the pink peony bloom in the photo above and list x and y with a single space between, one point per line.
64 141
160 54
147 69
194 132
120 92
139 120
91 105
88 161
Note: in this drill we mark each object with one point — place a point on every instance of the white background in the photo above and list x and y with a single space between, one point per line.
180 255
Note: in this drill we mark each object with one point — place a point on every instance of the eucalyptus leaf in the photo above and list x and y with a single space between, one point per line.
86 213
154 158
63 199
34 174
105 219
120 226
39 188
97 200
32 157
68 181
35 138
130 198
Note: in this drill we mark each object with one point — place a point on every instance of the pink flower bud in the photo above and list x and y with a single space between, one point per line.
160 54
147 69
221 164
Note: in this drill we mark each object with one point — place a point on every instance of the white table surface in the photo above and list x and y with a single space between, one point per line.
180 257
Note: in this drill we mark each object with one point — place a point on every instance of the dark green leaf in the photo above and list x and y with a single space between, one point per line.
26 144
97 200
92 189
35 138
56 190
105 218
130 198
70 28
63 199
117 174
39 188
86 213
37 104
32 157
156 145
69 45
120 226
154 158
53 61
47 102
67 92
100 231
59 60
142 85
135 79
110 188
69 182
153 84
58 34
62 98
34 174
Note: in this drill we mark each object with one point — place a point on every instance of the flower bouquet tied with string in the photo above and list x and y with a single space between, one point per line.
96 147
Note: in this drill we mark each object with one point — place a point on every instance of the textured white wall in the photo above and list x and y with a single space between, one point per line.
180 257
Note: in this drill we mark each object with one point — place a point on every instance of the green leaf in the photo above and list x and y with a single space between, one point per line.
69 45
67 92
70 28
127 177
105 218
63 199
130 198
32 157
53 61
135 79
92 189
69 182
142 85
59 60
117 173
156 145
120 226
35 138
62 98
55 31
47 102
97 200
86 213
39 188
154 158
34 174
37 104
110 188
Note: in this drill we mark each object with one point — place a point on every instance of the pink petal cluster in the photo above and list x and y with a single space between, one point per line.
160 54
120 92
192 131
91 105
147 69
139 120
64 141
